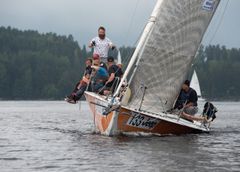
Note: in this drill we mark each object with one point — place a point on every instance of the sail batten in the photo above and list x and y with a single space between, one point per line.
168 51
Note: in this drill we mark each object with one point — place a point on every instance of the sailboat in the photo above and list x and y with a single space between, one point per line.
153 78
196 86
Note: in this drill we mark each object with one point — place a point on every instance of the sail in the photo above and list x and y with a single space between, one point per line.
119 58
168 51
195 84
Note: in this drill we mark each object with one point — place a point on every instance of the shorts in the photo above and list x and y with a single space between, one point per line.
192 110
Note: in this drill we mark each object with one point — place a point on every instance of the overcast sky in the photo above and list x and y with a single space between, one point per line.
81 18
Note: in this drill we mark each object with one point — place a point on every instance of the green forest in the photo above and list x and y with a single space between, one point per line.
218 69
36 66
40 66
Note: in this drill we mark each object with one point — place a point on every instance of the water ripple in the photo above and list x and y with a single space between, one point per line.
55 136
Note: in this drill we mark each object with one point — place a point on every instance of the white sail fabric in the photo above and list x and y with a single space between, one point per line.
195 84
168 52
119 58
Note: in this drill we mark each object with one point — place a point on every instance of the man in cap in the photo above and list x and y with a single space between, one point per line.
101 44
115 74
96 59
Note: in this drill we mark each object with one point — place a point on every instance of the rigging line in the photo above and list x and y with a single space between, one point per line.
128 57
129 28
130 53
220 22
217 18
131 20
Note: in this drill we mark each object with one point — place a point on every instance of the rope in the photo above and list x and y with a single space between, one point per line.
116 80
130 53
220 22
131 21
217 18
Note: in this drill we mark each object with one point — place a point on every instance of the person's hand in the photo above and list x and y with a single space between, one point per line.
113 47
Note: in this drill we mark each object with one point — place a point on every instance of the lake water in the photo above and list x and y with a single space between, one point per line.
56 136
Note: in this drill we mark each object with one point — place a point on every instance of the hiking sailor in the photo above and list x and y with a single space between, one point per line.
115 74
81 85
101 44
100 76
190 99
187 101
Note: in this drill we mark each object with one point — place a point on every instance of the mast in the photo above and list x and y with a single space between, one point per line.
142 40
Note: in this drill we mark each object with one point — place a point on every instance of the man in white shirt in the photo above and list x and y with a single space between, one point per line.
101 44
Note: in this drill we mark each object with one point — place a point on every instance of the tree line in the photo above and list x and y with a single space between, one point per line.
40 66
218 69
34 65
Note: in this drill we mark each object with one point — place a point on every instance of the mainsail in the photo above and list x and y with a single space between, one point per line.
195 84
167 51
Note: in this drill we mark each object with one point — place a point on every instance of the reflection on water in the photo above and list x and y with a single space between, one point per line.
55 136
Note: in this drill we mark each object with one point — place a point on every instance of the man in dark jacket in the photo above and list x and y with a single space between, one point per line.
191 98
187 101
115 74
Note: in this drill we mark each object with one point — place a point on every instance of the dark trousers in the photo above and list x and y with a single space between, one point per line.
77 93
80 92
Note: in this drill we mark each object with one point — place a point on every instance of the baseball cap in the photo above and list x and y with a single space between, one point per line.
96 57
110 59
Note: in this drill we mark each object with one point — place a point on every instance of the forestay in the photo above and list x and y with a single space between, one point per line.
168 51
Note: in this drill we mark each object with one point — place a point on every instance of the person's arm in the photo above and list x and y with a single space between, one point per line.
111 78
121 72
111 45
85 79
92 43
87 76
95 67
